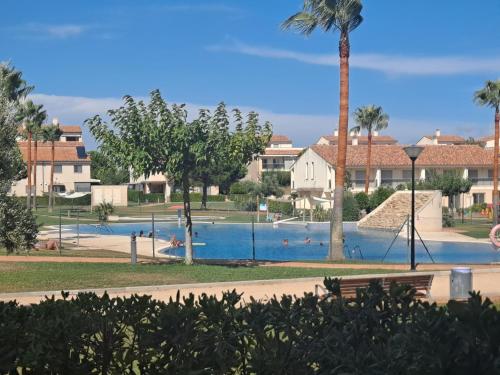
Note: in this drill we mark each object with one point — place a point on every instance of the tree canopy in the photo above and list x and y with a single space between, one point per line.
157 138
106 169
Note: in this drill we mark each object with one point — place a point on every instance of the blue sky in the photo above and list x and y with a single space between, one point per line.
420 60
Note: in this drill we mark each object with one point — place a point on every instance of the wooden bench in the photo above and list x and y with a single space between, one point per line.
420 282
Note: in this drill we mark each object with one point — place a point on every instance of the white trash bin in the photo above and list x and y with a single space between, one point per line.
460 282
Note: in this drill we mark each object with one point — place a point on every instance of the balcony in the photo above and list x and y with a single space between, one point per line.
273 166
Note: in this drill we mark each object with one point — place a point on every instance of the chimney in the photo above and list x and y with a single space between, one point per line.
336 133
375 133
435 140
355 139
351 133
55 121
438 133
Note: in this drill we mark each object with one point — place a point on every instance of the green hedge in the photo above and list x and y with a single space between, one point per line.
286 208
196 197
376 333
60 201
139 196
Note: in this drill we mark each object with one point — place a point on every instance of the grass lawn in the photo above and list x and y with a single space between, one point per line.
70 250
477 228
19 277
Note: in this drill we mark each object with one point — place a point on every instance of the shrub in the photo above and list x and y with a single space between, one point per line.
378 332
448 220
351 210
320 214
478 207
286 208
43 201
216 198
283 177
363 200
18 228
242 187
379 196
139 196
400 187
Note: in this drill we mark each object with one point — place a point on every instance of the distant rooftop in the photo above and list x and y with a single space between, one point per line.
276 138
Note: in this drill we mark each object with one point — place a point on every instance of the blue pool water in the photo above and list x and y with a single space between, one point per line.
234 241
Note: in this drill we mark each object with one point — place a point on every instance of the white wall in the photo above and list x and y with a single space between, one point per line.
114 194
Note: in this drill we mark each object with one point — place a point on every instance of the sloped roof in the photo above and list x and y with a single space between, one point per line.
363 139
282 151
71 128
276 138
395 156
449 138
63 152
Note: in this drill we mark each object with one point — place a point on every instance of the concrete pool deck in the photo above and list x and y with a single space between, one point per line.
486 281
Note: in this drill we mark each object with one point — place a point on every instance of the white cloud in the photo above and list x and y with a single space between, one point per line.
304 129
49 31
389 64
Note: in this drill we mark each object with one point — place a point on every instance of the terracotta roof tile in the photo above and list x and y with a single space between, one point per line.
71 129
276 138
379 139
394 156
282 151
448 138
64 152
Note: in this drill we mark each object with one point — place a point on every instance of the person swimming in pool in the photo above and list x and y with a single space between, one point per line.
307 240
285 242
196 234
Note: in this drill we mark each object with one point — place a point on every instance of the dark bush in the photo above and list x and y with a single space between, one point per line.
283 177
379 196
351 208
139 196
43 201
363 200
378 332
286 208
448 220
196 197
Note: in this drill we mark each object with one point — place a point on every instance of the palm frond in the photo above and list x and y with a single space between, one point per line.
305 23
489 95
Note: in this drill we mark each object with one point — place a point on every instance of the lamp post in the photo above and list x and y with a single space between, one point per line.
413 152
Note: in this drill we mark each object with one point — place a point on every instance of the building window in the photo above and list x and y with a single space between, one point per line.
386 176
264 163
59 188
329 183
307 171
473 175
407 174
478 198
312 170
77 168
57 168
359 177
72 139
82 187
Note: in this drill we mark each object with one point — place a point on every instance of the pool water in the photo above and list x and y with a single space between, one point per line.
234 241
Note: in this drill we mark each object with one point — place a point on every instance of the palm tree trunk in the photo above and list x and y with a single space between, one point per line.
368 162
51 187
34 171
28 196
336 250
188 239
495 169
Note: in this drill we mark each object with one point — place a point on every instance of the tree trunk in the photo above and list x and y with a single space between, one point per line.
51 187
495 169
34 171
336 250
204 193
368 162
188 239
28 190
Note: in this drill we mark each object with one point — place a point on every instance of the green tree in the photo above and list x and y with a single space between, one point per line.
343 16
106 169
18 229
370 118
450 183
32 117
158 138
51 133
489 96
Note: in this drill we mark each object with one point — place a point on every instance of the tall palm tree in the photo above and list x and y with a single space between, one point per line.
343 16
370 118
12 84
489 96
51 133
33 116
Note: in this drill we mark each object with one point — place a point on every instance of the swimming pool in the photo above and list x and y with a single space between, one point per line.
234 241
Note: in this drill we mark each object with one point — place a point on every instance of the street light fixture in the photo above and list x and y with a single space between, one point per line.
413 153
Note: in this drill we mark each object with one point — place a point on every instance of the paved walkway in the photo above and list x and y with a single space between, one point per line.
59 259
381 266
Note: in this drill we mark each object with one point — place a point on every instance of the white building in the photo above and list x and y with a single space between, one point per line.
441 139
313 174
279 155
71 168
357 139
